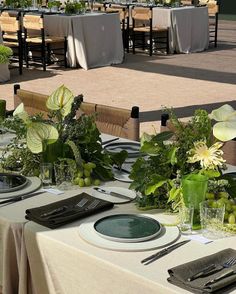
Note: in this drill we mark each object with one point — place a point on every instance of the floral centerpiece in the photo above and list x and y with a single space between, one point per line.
59 138
191 149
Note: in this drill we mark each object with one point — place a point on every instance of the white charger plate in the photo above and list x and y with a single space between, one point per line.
167 236
121 176
32 185
116 200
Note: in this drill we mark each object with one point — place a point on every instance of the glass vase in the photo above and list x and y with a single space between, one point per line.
194 187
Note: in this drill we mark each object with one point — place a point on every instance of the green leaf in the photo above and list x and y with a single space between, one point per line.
150 148
163 136
119 158
211 173
172 155
150 189
37 133
61 99
174 194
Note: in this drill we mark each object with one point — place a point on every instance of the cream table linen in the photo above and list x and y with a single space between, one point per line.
63 263
94 39
189 29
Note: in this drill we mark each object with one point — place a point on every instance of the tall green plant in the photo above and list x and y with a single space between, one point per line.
5 54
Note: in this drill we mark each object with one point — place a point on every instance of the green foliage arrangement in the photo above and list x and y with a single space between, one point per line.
18 3
59 138
5 54
193 149
74 7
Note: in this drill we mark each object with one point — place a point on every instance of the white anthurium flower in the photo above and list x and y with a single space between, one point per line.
37 133
21 113
225 128
61 99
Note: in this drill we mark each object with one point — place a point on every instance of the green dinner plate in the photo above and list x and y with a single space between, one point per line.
11 182
127 228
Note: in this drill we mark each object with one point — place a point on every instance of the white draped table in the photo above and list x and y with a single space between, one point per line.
94 39
37 260
189 28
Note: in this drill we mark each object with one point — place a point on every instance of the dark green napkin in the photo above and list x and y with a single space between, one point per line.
68 213
180 274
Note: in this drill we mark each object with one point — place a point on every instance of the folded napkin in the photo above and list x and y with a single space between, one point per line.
180 274
65 211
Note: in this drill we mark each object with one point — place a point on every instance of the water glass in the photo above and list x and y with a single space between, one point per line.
186 219
64 175
46 171
212 219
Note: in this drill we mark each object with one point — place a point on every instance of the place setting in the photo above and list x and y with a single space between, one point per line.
128 232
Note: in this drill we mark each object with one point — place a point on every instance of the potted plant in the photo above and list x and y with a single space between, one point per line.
5 54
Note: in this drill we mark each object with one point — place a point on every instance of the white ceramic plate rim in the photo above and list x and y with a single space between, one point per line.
88 234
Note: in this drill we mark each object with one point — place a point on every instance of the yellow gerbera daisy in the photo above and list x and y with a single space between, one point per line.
209 158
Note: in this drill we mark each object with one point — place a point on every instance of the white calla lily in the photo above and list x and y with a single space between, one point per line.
61 99
225 128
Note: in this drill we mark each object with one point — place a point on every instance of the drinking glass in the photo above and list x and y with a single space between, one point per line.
64 175
46 171
194 187
186 219
212 219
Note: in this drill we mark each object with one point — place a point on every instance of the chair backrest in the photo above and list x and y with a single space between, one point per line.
213 9
123 11
97 6
9 24
115 121
33 102
33 24
111 120
141 13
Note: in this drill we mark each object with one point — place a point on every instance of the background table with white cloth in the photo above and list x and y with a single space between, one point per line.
189 27
94 39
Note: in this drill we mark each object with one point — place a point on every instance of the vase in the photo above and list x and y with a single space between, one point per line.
194 187
4 72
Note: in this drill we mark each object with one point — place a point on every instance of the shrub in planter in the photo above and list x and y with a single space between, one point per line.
5 54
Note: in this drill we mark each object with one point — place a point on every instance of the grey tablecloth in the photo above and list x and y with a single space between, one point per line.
189 30
94 39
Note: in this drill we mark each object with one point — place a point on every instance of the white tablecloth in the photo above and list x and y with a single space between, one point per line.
189 29
94 39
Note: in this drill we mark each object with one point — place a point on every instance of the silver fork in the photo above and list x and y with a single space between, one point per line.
62 209
227 264
93 204
211 269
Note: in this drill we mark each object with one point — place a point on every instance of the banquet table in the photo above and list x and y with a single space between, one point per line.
189 28
35 259
94 39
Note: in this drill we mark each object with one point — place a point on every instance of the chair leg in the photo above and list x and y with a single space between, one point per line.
150 44
26 55
65 52
167 42
43 56
143 40
133 37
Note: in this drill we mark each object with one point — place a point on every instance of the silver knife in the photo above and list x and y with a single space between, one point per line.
163 252
111 193
22 197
